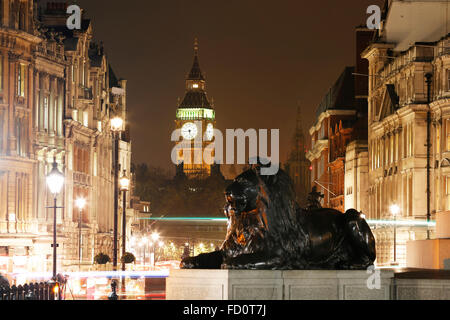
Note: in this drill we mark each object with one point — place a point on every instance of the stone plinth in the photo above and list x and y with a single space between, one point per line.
422 289
276 285
443 225
427 254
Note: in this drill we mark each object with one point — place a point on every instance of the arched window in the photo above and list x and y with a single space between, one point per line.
21 136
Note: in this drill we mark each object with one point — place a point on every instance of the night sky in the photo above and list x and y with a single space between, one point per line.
260 57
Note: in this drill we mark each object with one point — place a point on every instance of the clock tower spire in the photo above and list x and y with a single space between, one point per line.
195 117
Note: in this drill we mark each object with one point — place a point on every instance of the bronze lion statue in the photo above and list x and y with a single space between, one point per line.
268 230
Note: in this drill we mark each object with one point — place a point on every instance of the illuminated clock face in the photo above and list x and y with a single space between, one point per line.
189 131
209 132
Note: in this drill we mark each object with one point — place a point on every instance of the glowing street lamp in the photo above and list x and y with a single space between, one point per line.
395 210
155 236
80 203
117 124
55 182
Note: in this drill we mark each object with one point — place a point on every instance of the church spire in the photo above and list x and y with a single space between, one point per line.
196 46
299 127
196 73
299 147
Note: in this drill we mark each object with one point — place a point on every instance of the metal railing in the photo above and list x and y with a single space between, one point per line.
32 291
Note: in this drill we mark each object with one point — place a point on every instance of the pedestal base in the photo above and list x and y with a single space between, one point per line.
428 254
279 285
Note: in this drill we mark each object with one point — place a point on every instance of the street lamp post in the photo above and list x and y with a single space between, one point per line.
80 203
124 186
395 210
155 238
428 81
55 182
116 128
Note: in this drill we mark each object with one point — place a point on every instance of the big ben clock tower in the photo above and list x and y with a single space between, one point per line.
196 118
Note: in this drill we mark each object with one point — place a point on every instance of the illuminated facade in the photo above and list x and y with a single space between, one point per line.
58 96
195 117
341 121
398 63
329 139
17 164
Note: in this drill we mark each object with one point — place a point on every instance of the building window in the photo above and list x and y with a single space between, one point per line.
21 78
75 115
447 193
405 142
46 113
447 133
438 140
448 79
386 151
396 146
99 126
410 141
55 116
82 73
391 141
85 119
437 195
21 133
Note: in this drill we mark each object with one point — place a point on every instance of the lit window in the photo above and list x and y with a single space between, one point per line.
195 86
447 126
448 79
46 113
85 118
21 81
438 140
75 115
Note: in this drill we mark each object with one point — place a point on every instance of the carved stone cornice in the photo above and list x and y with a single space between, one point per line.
14 57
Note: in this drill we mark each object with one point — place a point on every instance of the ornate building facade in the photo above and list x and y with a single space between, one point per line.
342 121
329 138
398 110
59 94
